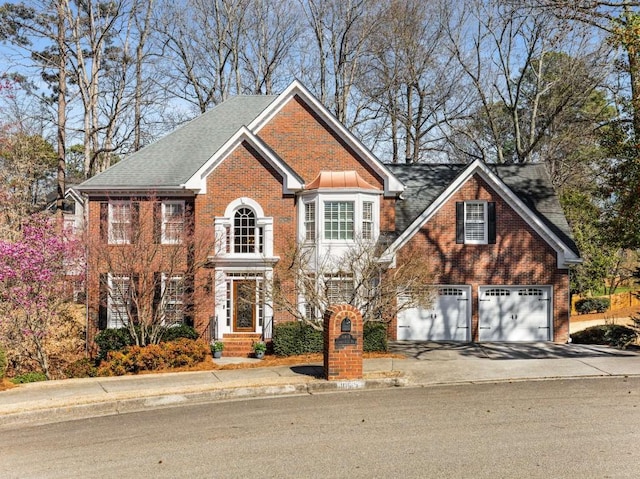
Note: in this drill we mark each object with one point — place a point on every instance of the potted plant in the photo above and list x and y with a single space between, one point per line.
216 349
259 348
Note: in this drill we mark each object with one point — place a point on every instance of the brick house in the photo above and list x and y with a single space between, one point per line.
258 175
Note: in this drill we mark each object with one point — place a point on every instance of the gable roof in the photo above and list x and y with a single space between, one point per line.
172 160
178 160
527 188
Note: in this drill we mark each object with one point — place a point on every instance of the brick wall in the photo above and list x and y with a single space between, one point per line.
519 257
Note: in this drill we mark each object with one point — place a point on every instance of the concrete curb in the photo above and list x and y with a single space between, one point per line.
97 407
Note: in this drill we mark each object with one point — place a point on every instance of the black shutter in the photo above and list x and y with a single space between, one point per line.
134 297
157 294
491 227
103 295
104 222
460 222
157 222
187 299
135 221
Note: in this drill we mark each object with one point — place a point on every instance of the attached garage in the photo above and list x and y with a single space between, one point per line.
448 319
514 313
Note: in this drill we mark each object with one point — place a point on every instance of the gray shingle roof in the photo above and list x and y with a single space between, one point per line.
172 160
531 183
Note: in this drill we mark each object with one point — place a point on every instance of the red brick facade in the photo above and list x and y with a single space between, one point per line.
520 256
306 144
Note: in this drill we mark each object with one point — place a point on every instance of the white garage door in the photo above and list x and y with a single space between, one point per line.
514 313
447 319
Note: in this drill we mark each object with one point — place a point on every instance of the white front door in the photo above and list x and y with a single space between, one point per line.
514 313
447 319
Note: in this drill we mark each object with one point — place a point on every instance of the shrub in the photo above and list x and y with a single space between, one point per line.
614 335
170 354
375 337
31 377
82 368
293 338
3 362
176 332
112 340
590 305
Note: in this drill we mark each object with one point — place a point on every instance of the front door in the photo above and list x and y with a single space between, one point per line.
244 306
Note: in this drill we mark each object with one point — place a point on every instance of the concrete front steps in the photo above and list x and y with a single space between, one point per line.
239 345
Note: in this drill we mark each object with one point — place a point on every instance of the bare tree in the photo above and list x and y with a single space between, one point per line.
200 45
146 258
339 33
507 60
413 80
305 286
270 37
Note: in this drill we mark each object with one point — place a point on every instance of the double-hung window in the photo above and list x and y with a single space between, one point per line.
173 299
172 222
338 220
310 221
339 289
367 220
119 297
476 222
120 221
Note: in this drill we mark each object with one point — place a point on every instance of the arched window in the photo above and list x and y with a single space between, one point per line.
247 236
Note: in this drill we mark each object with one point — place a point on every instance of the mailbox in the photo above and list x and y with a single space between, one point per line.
345 326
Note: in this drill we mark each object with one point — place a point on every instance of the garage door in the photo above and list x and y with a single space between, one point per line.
514 313
447 319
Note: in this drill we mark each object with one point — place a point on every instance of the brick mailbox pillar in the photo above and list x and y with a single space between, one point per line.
343 336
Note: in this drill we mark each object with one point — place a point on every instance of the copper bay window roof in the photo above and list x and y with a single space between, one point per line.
339 179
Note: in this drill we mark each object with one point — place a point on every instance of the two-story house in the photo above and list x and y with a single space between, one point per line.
258 176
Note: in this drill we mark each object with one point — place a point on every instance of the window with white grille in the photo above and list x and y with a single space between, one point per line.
338 220
475 222
367 220
120 222
118 300
172 222
310 221
339 289
173 299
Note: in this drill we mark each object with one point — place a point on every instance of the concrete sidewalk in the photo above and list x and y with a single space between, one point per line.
426 364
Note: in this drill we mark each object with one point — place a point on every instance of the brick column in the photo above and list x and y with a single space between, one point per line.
343 342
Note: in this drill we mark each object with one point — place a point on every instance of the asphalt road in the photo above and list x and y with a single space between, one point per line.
587 428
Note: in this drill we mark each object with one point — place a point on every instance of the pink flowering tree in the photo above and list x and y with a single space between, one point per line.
34 287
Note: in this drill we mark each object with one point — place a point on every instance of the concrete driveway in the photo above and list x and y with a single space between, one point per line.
443 351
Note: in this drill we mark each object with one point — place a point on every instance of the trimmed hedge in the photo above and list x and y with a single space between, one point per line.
375 337
176 332
169 354
295 337
590 305
614 335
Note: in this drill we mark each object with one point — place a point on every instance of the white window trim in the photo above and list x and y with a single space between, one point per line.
226 223
116 318
111 233
485 223
164 239
358 199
